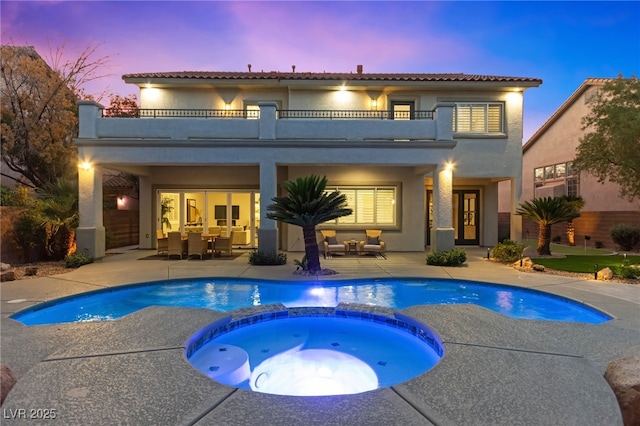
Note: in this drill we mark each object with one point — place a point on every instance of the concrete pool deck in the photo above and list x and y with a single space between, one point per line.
495 370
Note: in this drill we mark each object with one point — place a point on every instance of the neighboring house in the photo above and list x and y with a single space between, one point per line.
417 155
547 172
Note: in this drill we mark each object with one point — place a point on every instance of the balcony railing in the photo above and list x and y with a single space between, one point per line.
253 114
177 113
356 114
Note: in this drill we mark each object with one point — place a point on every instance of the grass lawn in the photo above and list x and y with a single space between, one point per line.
564 249
580 260
587 264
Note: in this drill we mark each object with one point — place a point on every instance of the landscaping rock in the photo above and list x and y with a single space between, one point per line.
623 375
7 381
605 274
6 272
539 268
527 263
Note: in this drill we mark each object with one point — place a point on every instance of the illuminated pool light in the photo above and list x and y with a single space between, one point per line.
314 351
313 372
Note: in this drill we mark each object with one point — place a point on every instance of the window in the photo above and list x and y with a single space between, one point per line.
371 205
557 173
539 174
478 117
549 173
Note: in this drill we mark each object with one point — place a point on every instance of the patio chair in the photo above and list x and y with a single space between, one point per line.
331 244
196 246
174 244
372 242
163 242
224 244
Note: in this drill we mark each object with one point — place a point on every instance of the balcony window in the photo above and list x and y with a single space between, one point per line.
478 118
372 206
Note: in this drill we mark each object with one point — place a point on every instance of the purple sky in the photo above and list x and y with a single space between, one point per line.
563 43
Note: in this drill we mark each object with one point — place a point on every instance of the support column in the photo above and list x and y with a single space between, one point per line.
515 226
268 232
90 235
442 233
268 120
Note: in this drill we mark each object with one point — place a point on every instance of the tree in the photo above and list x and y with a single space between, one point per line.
577 203
545 212
39 112
307 205
123 106
611 148
59 204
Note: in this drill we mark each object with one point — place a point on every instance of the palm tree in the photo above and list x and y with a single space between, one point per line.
59 203
578 203
545 212
307 205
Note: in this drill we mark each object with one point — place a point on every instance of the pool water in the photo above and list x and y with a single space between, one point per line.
225 294
344 353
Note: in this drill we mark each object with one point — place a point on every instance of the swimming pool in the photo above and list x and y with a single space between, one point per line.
225 294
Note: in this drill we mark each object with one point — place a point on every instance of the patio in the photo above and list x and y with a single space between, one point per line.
496 370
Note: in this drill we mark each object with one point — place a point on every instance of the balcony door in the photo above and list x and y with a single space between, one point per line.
403 110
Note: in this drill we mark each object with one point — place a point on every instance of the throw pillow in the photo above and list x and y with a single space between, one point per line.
373 241
332 241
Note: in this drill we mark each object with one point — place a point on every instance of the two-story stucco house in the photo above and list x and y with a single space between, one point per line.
547 172
419 156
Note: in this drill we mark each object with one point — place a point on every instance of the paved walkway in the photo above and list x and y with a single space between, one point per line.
495 370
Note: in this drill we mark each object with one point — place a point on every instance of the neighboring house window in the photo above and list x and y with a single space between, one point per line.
371 206
557 173
478 117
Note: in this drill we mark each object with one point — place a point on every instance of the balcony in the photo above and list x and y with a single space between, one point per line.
267 123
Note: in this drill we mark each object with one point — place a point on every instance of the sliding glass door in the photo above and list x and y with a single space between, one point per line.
211 211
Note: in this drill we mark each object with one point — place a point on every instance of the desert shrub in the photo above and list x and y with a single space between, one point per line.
556 239
261 258
454 257
508 251
627 270
77 260
626 236
29 234
598 244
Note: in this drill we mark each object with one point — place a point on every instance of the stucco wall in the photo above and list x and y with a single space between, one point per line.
410 237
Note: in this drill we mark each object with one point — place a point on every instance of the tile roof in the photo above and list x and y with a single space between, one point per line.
277 75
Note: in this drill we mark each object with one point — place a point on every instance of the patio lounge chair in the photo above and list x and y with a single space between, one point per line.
331 244
196 246
163 242
372 242
175 244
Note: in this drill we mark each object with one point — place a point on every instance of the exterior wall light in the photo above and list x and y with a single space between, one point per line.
85 165
374 104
